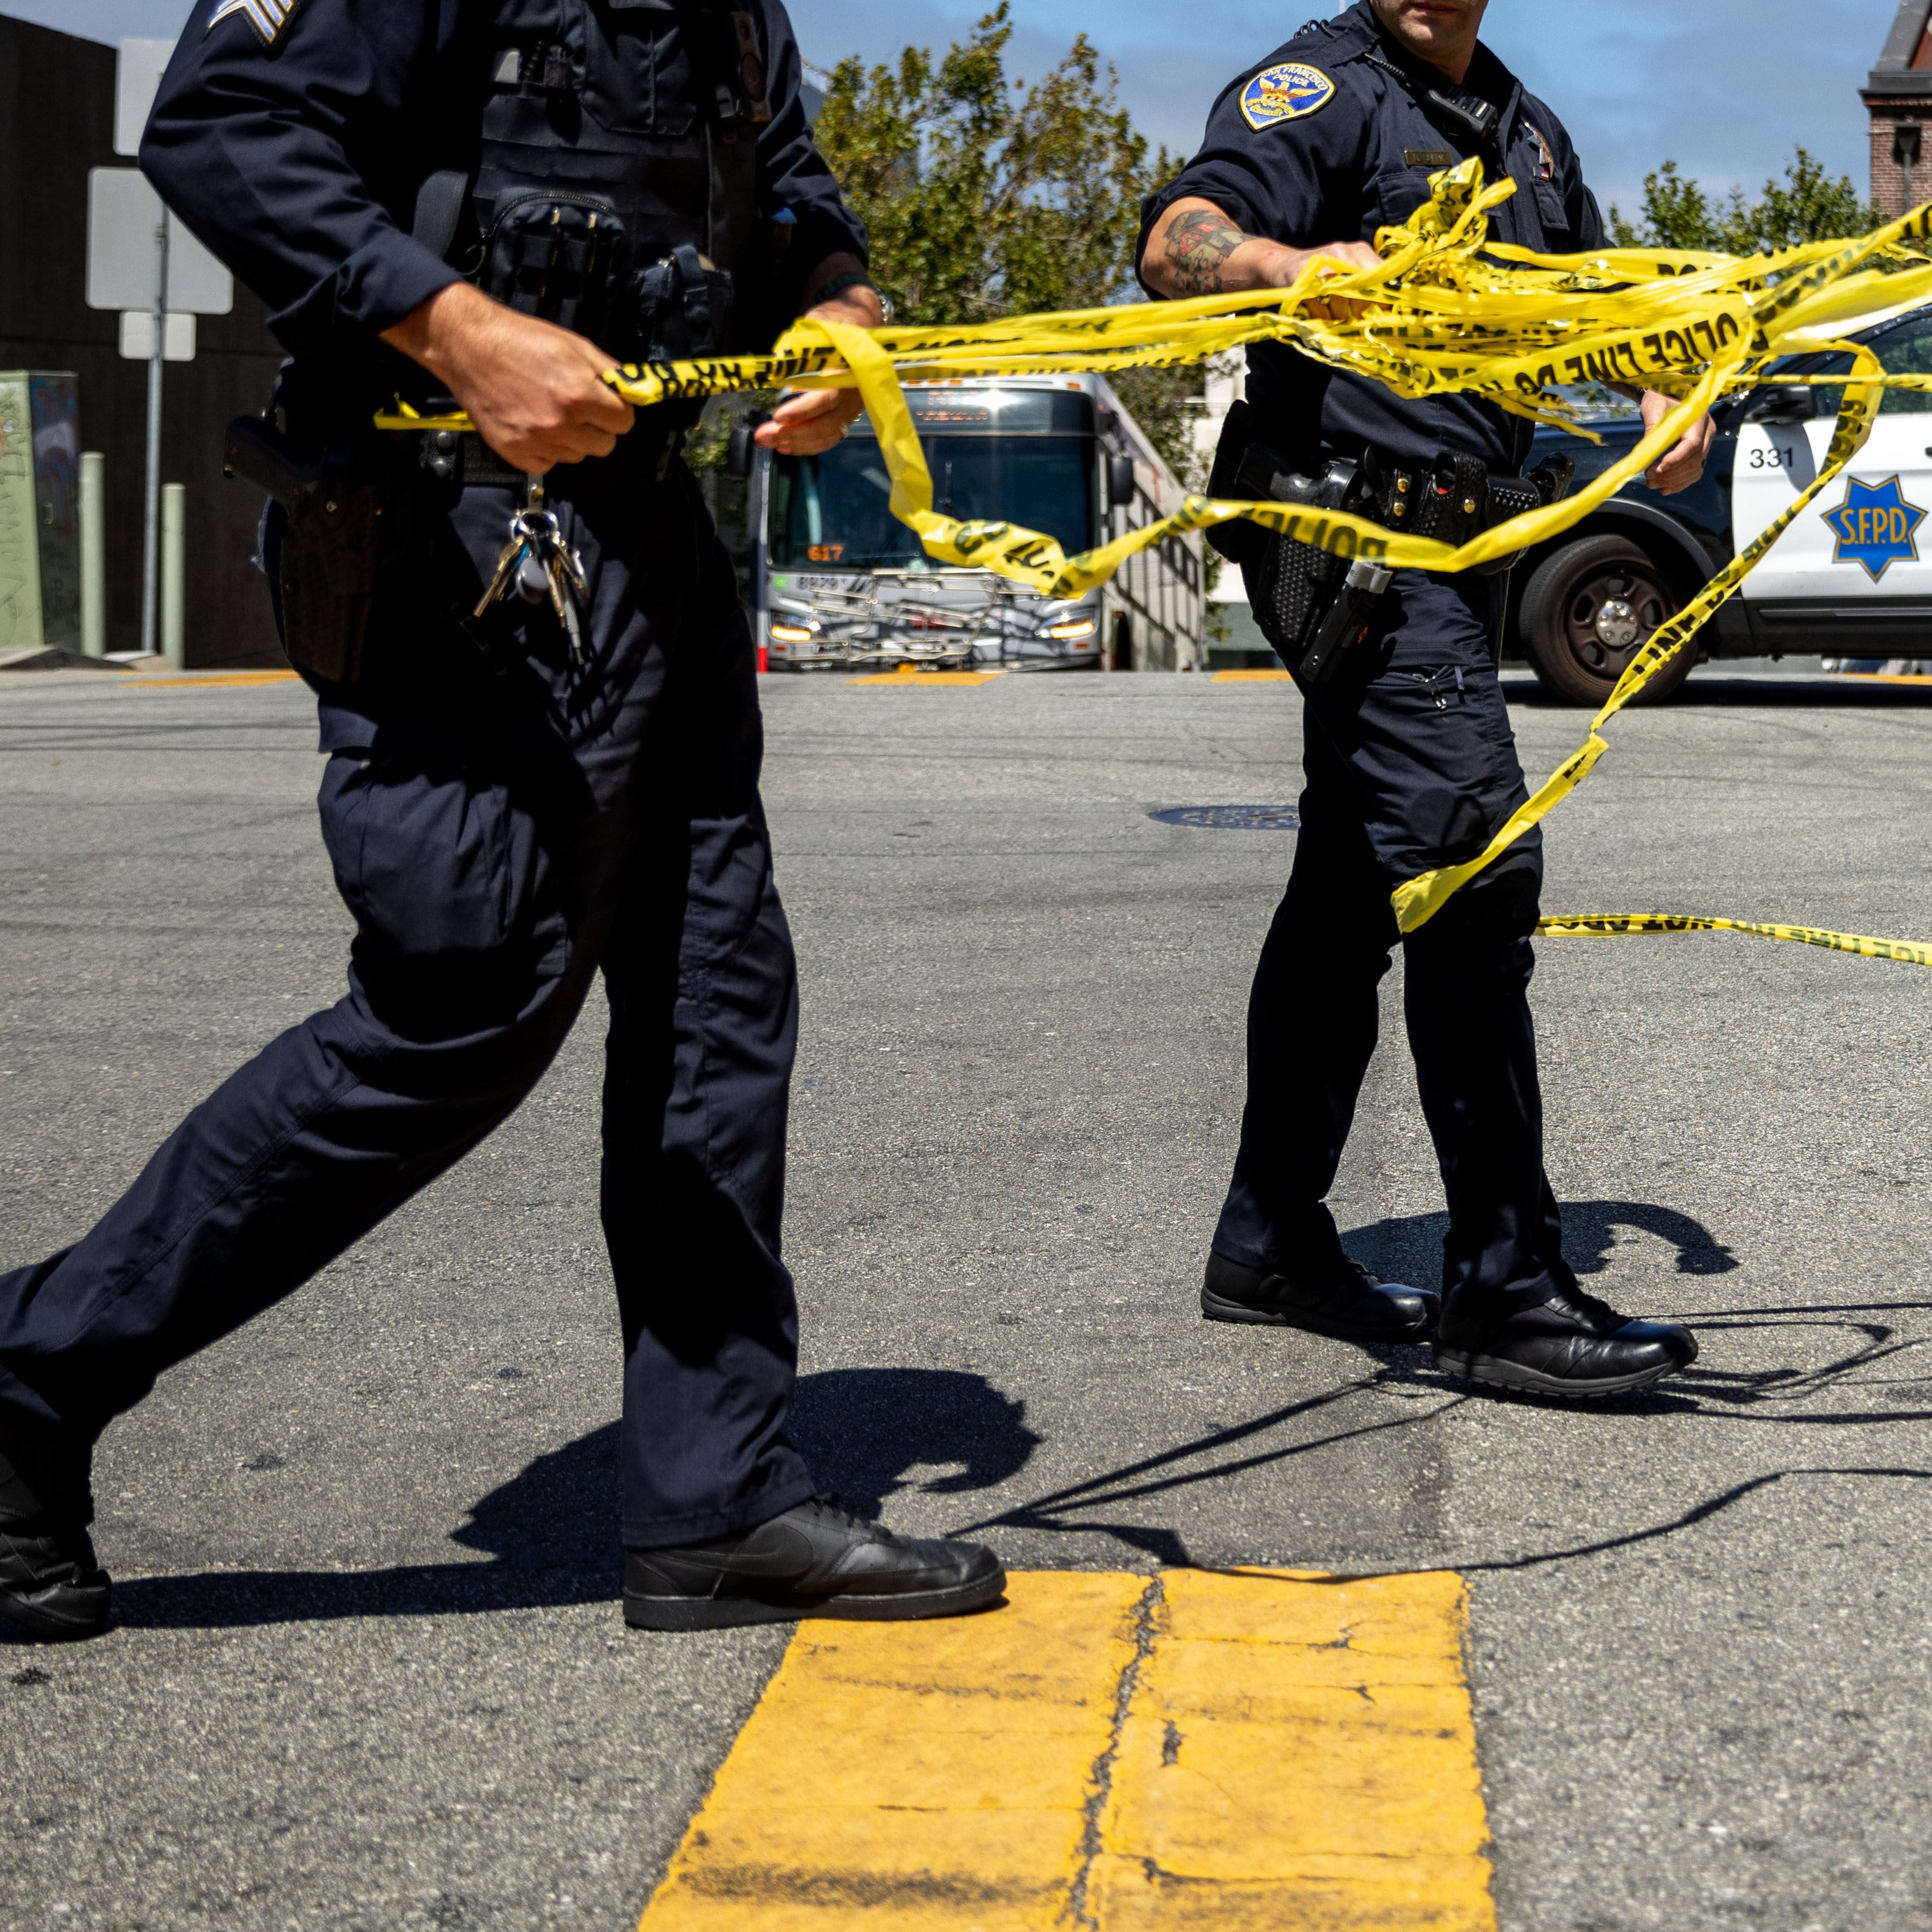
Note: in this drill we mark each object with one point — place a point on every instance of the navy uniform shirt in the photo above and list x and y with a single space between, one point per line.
1345 146
292 135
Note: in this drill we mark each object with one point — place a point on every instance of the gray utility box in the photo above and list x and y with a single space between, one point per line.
39 508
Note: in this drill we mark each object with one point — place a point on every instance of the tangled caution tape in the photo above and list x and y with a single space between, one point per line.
1444 310
1618 924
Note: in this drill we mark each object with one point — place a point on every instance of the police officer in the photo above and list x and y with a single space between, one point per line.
1409 759
487 206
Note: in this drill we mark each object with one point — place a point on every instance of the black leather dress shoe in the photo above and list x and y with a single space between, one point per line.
1572 1345
814 1561
1351 1305
52 1591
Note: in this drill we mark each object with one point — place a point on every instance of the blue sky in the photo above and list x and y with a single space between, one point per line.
1726 87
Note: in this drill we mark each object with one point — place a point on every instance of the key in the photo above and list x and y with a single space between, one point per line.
563 597
506 570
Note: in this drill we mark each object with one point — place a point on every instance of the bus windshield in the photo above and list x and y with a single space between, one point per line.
831 510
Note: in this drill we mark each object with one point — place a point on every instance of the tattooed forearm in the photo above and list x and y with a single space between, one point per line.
1198 242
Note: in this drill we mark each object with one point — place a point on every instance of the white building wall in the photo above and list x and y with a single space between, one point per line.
1226 384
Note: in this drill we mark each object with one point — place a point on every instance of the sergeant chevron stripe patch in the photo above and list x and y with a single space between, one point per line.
267 17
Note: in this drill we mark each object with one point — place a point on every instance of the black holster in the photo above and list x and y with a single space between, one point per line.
1315 607
347 528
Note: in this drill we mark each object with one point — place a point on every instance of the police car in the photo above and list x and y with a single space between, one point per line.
1846 579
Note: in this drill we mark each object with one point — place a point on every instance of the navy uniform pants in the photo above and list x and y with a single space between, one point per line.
501 828
1414 769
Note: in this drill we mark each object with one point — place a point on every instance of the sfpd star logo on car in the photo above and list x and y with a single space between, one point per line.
1874 525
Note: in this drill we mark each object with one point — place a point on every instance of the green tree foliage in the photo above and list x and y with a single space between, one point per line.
987 196
1808 205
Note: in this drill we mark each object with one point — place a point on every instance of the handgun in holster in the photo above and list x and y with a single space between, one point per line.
333 542
1315 607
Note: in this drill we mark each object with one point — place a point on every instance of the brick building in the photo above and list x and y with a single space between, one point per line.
1897 95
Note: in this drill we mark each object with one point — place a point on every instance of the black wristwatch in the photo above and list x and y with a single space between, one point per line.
854 278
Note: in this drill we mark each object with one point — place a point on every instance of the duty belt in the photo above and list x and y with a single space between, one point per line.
644 455
1318 612
1451 496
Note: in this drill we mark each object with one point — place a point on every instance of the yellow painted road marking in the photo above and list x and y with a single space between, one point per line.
166 683
934 1774
1250 1750
1252 677
1298 1752
1886 677
907 675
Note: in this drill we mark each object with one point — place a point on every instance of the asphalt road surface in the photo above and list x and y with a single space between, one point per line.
372 1672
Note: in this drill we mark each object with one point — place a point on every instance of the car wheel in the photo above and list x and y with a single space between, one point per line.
1588 610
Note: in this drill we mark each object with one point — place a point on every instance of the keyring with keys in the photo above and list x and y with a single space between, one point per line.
538 563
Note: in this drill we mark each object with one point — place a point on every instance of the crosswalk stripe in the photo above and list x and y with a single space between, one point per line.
908 678
1235 1750
166 683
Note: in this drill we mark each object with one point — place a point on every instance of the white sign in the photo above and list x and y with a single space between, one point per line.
137 78
121 212
137 337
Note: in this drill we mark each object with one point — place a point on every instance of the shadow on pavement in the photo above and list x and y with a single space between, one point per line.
1865 1350
862 1429
1704 690
1409 1246
548 1534
1064 1510
551 1532
1698 1513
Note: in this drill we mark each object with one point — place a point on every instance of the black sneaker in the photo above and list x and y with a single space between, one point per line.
1352 1305
1572 1345
814 1561
52 1591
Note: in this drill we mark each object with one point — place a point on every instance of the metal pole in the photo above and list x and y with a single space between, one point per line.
151 521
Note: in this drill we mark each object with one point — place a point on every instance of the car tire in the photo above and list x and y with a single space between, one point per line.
1588 609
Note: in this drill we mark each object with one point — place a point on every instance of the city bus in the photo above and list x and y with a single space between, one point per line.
838 581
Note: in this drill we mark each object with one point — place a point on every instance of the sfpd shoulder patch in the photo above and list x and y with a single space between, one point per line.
1286 93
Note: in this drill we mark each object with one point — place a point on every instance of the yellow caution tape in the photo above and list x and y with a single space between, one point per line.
1419 899
1617 925
1445 311
406 415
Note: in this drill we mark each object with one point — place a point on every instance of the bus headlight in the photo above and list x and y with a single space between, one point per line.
791 634
1078 627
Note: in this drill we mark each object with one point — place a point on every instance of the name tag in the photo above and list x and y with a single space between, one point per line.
1429 157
